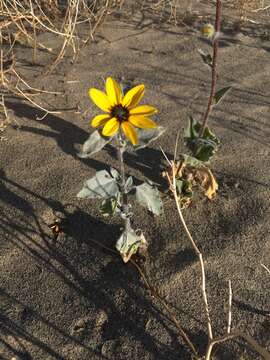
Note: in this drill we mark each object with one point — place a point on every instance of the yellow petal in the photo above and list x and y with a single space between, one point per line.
133 96
114 91
100 120
142 122
100 99
143 110
130 132
111 127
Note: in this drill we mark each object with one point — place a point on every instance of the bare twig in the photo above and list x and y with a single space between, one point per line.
172 183
266 268
230 308
234 334
212 341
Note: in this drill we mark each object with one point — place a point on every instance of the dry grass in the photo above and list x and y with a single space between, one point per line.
22 22
248 8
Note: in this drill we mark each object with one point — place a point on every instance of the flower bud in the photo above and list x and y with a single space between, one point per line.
208 30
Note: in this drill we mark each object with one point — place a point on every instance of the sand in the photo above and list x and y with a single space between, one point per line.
69 298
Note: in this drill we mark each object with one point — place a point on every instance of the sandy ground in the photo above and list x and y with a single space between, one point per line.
69 299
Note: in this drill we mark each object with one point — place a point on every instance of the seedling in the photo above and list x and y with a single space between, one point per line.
193 169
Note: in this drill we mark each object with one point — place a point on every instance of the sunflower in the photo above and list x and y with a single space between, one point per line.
122 112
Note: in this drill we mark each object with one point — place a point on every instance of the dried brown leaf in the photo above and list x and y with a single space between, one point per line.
207 181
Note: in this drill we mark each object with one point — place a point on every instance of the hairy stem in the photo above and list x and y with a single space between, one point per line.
124 199
214 68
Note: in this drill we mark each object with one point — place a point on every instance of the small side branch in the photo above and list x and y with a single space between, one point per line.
234 334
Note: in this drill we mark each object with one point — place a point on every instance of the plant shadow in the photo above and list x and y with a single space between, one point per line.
95 277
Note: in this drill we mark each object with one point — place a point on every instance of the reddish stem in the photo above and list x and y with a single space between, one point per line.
214 68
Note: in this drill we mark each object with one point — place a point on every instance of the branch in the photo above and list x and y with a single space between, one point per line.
214 68
230 308
236 333
172 183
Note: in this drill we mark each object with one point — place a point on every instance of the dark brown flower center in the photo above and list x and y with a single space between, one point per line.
120 112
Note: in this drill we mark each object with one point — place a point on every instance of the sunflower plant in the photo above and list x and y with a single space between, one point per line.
192 170
127 126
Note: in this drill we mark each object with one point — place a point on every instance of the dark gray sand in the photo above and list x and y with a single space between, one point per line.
70 299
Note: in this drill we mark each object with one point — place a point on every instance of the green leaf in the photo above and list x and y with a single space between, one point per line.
202 148
93 144
207 58
184 188
205 149
209 135
192 130
190 160
220 94
147 195
108 207
129 243
102 185
146 136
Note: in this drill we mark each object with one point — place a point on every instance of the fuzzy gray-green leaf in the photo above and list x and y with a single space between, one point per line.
128 244
102 185
146 136
93 144
129 184
115 173
147 195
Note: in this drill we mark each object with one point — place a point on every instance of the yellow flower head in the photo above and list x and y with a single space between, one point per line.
121 110
208 30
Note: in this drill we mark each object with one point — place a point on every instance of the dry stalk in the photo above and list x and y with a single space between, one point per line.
237 334
172 184
229 308
266 268
13 83
212 341
4 119
30 18
22 21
